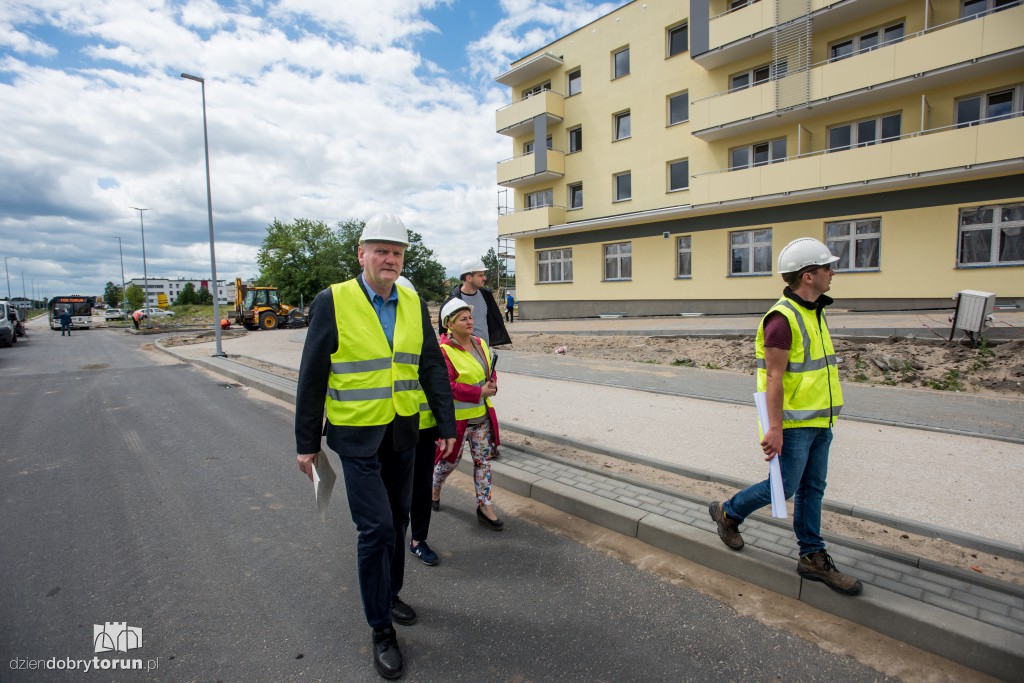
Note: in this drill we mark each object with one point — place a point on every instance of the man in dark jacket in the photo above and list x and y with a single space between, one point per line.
65 322
490 327
368 350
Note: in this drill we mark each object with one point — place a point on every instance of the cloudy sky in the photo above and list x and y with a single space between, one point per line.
319 109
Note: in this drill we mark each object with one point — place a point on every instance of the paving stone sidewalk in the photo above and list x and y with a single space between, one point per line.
969 618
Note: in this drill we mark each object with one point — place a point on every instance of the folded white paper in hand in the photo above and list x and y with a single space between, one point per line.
774 469
324 477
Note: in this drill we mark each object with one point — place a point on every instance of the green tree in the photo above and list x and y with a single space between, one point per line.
112 295
203 297
135 297
301 258
497 273
187 296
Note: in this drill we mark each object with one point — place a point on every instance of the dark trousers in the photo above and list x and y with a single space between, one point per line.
64 327
422 481
509 313
379 489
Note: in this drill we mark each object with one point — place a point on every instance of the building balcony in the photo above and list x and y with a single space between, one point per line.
531 220
528 169
747 31
912 160
955 52
530 69
517 118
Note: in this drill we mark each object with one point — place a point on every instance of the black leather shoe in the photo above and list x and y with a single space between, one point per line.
492 524
435 505
402 613
387 658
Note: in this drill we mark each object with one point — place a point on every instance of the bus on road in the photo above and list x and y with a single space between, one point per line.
79 306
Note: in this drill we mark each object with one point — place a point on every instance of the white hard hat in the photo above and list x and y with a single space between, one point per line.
385 227
472 265
453 307
405 282
803 252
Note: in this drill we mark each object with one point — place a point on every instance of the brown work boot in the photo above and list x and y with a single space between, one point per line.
820 567
728 529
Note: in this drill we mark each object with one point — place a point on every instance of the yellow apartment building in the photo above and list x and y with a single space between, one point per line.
664 153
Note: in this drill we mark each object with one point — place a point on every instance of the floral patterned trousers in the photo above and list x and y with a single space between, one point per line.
480 448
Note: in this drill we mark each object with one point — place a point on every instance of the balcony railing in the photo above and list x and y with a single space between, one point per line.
963 41
517 118
531 219
913 154
522 170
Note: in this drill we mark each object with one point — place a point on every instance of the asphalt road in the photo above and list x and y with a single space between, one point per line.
134 490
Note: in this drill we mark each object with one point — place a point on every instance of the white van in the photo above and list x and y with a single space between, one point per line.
7 334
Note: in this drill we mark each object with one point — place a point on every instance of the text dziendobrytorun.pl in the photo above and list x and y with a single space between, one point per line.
84 665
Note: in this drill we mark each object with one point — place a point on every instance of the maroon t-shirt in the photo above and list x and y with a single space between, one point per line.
777 334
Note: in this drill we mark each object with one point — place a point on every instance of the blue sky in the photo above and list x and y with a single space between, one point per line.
316 109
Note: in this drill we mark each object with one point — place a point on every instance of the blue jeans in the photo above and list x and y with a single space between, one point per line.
804 464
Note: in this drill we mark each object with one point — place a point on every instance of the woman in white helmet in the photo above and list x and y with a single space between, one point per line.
474 382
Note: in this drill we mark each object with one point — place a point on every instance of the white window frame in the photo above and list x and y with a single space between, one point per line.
578 72
615 186
571 191
1016 105
752 149
859 232
529 146
548 260
536 89
668 107
996 225
668 169
758 75
740 4
684 246
618 256
685 25
990 6
755 239
568 140
615 63
546 198
855 133
617 119
857 40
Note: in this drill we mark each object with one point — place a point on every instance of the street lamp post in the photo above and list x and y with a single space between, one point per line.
8 273
145 273
209 207
124 292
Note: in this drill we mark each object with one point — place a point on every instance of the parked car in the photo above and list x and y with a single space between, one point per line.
155 312
113 314
8 321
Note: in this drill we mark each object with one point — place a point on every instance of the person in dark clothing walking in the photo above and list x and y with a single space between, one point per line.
490 326
369 350
65 322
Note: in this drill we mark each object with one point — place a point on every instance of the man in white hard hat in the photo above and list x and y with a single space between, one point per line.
489 327
796 368
369 348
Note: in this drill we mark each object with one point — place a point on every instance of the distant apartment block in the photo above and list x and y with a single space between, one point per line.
172 288
664 153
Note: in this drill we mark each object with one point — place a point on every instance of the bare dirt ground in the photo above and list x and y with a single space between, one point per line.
993 370
912 363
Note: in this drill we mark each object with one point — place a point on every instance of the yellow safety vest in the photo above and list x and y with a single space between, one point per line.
369 382
427 418
811 395
470 372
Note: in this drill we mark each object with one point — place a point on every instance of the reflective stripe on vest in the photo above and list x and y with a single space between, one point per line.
812 396
427 418
470 373
369 383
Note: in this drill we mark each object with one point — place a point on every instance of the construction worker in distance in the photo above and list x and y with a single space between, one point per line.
490 326
369 349
796 368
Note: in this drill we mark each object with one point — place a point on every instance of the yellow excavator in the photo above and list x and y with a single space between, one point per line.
259 308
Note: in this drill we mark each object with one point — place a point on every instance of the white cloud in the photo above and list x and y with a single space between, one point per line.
316 109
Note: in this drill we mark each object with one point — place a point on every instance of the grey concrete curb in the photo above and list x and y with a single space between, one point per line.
992 650
987 545
983 647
